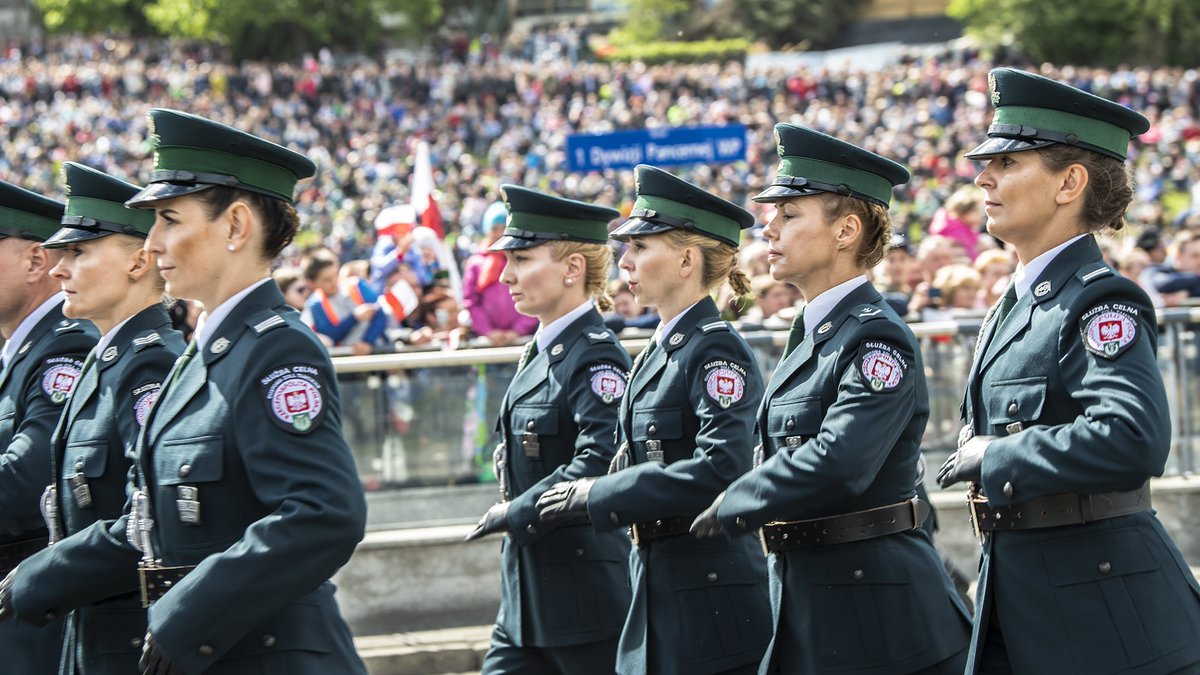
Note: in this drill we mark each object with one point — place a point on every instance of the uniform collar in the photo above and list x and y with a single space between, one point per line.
1025 275
665 329
820 307
13 343
108 337
676 333
214 318
546 335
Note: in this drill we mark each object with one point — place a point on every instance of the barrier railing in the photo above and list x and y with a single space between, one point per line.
427 418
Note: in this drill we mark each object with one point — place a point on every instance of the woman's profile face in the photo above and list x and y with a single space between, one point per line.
94 274
189 246
1019 195
800 239
652 265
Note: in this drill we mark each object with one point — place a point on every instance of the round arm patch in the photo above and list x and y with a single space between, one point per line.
294 396
143 400
724 382
607 381
882 366
1109 329
59 376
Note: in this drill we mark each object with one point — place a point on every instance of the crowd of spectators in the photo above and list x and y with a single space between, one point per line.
497 112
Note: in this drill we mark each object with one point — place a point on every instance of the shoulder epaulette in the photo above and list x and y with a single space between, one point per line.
146 340
716 325
599 337
273 321
68 326
1097 270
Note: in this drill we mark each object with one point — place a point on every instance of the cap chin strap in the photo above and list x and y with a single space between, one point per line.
1024 132
658 217
18 233
179 176
86 223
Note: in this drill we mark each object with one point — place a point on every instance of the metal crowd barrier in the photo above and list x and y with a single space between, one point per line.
427 418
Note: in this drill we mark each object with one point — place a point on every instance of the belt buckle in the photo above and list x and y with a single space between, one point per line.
762 539
142 582
634 536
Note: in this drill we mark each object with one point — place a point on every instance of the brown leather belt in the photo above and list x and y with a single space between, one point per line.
157 580
842 529
12 554
1056 510
641 533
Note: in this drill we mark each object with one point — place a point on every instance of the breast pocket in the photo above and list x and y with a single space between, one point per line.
657 435
535 433
722 604
1014 405
89 458
187 477
790 423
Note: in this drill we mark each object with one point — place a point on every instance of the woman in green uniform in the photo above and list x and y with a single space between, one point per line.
860 587
686 432
564 587
1066 413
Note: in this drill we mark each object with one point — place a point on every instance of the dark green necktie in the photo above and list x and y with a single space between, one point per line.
1006 304
531 351
183 361
796 336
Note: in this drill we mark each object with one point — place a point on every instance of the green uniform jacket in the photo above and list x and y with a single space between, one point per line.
33 389
94 443
699 606
1110 596
568 585
841 427
253 424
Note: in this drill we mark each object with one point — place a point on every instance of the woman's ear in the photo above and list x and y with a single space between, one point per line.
240 223
576 268
140 262
1073 183
689 262
849 231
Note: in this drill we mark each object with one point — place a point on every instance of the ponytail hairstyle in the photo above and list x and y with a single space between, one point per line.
1110 187
597 260
720 260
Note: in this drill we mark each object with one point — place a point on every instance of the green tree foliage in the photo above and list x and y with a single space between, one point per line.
813 24
250 28
650 20
1099 32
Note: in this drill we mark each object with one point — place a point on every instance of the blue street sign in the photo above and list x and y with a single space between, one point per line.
658 147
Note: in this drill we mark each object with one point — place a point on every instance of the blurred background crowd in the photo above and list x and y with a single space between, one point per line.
372 273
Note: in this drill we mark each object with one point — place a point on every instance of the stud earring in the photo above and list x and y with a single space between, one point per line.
569 281
231 247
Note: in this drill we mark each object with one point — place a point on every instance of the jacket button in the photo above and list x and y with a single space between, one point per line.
529 425
712 577
614 518
1008 490
652 430
531 528
578 553
790 424
205 650
1012 408
858 575
184 470
136 643
78 467
268 640
1104 568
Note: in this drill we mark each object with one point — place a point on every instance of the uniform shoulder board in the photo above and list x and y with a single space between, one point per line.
716 325
867 312
599 337
1097 270
271 322
147 340
68 326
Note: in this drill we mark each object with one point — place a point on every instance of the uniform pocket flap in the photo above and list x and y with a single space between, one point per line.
189 460
535 419
705 569
86 457
299 626
658 424
1016 400
799 417
880 565
1096 557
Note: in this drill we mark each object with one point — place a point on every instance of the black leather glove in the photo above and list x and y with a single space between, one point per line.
706 524
6 608
495 520
966 463
564 501
154 662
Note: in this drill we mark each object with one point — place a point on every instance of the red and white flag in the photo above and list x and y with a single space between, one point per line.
422 191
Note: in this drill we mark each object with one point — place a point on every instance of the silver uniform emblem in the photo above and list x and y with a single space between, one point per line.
676 338
825 327
1042 289
654 451
188 504
109 354
556 350
220 345
25 347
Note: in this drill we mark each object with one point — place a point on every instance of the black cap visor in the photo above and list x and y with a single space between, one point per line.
71 235
1002 145
157 192
775 193
638 227
512 243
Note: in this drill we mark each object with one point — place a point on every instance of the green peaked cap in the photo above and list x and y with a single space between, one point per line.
535 218
28 215
812 162
192 153
1034 111
666 201
96 207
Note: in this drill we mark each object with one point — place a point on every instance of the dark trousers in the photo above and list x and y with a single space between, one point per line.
590 658
994 657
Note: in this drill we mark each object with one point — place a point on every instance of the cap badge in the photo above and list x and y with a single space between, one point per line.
995 93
